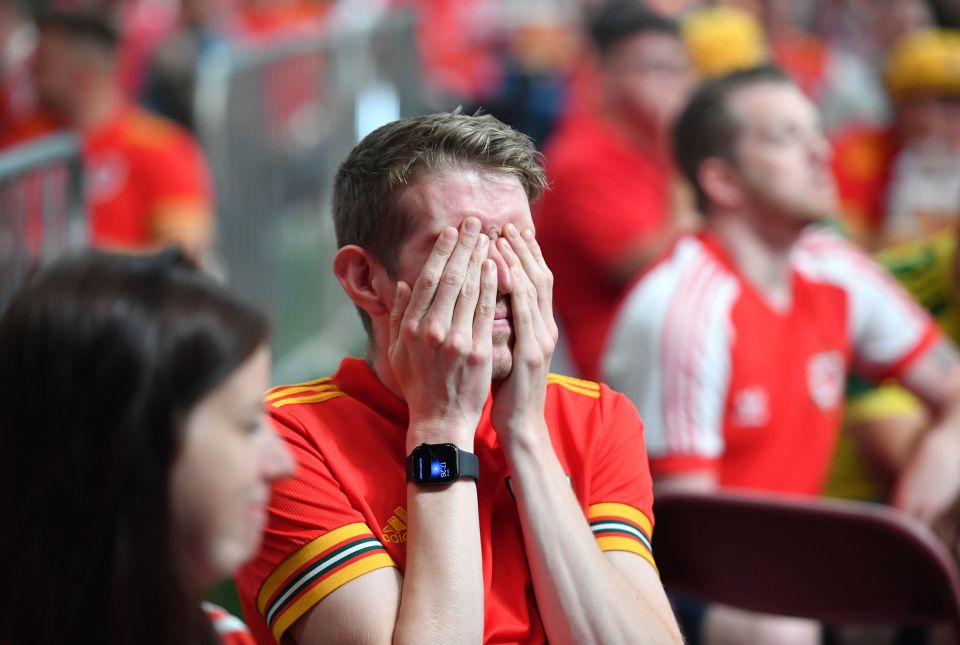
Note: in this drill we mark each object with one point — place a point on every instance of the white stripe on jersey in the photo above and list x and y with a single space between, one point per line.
669 351
885 323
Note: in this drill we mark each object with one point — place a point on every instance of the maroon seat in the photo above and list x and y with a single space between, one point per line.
835 561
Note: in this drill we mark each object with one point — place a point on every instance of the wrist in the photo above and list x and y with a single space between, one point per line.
460 435
528 440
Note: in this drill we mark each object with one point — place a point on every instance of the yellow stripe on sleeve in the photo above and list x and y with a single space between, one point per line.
627 512
304 554
576 382
614 543
321 590
565 383
279 394
311 398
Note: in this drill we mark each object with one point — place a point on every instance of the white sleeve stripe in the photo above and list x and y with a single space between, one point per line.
672 350
682 359
671 319
684 393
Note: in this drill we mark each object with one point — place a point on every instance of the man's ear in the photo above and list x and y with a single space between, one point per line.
364 280
721 182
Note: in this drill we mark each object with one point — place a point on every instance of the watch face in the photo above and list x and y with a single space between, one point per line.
435 464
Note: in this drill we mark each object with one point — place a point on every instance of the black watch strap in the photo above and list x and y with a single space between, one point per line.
469 465
443 463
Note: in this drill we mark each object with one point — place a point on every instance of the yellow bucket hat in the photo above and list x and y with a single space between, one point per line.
925 62
723 40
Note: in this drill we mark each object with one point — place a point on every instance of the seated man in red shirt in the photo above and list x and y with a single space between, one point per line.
613 202
736 345
526 512
147 181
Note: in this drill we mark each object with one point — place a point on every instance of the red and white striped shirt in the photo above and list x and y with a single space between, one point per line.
725 383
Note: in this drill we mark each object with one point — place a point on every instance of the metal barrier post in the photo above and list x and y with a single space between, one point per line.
42 213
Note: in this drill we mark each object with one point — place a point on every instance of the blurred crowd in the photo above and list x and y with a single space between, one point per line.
885 75
599 87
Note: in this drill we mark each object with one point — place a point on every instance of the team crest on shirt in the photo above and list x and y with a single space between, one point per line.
751 407
826 378
106 176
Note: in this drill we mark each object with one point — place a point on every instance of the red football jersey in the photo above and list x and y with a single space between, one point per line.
604 197
146 178
727 383
343 515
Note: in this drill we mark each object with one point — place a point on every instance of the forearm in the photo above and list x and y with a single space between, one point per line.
581 597
442 596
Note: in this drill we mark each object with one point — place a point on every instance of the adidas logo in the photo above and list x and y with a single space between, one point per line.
395 531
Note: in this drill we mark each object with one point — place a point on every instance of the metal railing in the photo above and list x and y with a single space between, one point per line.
275 123
42 213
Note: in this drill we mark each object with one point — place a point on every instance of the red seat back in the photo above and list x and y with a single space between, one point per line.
834 561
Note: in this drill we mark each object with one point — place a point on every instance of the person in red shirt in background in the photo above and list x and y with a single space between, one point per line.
735 346
16 44
147 181
614 202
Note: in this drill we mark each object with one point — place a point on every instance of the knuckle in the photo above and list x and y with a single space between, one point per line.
434 333
477 357
470 290
485 308
409 330
457 344
453 278
429 279
548 278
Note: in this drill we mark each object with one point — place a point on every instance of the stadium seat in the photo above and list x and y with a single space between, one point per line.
835 561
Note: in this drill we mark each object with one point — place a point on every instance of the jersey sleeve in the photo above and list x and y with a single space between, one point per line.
669 353
315 541
888 328
620 510
179 191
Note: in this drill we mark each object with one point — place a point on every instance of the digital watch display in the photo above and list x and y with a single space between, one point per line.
440 463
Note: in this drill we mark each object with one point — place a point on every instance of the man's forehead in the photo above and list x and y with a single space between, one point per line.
770 103
446 198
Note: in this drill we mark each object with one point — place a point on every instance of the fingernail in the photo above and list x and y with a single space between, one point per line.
471 225
449 234
483 242
528 235
510 230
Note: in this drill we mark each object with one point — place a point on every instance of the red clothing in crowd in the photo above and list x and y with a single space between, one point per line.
605 197
146 179
730 385
344 515
862 163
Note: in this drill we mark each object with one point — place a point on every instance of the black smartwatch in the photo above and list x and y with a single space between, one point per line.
440 463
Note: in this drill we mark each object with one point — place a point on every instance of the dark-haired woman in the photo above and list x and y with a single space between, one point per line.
135 460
